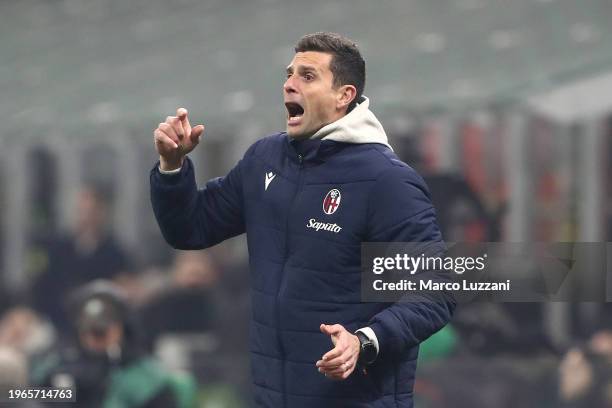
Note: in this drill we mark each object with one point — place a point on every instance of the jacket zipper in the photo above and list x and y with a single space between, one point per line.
280 287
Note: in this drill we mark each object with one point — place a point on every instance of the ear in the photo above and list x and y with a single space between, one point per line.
345 95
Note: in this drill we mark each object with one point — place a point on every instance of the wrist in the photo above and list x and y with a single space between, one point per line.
367 349
170 165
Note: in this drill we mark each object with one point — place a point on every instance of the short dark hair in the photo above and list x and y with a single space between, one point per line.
347 64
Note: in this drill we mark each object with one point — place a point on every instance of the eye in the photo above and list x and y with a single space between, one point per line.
309 77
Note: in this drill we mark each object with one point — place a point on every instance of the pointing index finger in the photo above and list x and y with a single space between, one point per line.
182 113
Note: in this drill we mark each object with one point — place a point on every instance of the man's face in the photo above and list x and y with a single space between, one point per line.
102 341
310 98
90 213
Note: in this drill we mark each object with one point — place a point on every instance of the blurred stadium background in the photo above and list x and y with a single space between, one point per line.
504 106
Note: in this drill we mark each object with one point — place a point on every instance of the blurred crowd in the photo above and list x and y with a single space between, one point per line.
512 354
174 334
122 336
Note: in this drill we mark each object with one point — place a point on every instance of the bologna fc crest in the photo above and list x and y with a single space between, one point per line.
331 202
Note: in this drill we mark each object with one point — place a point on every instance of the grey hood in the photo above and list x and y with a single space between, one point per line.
358 126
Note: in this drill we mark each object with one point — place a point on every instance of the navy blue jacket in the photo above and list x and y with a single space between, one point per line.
303 276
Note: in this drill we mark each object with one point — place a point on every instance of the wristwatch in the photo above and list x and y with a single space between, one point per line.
367 350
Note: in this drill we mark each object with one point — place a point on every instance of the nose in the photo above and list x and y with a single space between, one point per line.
289 86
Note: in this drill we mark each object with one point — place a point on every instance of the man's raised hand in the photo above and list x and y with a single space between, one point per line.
175 138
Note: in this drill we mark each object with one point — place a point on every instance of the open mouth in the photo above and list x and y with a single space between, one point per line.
295 111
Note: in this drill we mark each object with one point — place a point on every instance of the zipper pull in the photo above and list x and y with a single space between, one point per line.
300 158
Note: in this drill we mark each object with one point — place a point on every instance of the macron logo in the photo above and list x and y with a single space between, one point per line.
269 177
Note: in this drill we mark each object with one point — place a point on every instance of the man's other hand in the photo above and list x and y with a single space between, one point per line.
174 138
339 362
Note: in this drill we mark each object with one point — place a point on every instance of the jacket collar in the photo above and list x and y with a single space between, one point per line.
357 127
311 149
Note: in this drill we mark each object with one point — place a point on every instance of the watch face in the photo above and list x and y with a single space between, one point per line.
368 352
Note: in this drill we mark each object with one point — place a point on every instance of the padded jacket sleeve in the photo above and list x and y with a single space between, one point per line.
401 211
195 219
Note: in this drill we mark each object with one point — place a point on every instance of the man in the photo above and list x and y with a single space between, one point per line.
86 253
306 199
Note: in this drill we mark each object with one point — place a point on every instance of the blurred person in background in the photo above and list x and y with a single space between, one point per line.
13 376
86 253
23 329
186 304
585 375
307 198
196 321
585 372
107 364
461 211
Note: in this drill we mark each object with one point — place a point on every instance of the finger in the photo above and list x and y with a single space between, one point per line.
196 134
176 125
346 374
332 371
181 114
162 139
336 374
348 356
339 368
333 353
335 362
339 374
323 365
169 131
348 365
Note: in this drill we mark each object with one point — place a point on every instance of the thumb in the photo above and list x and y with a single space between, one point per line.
329 329
196 132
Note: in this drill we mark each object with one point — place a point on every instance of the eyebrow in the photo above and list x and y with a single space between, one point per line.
302 69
